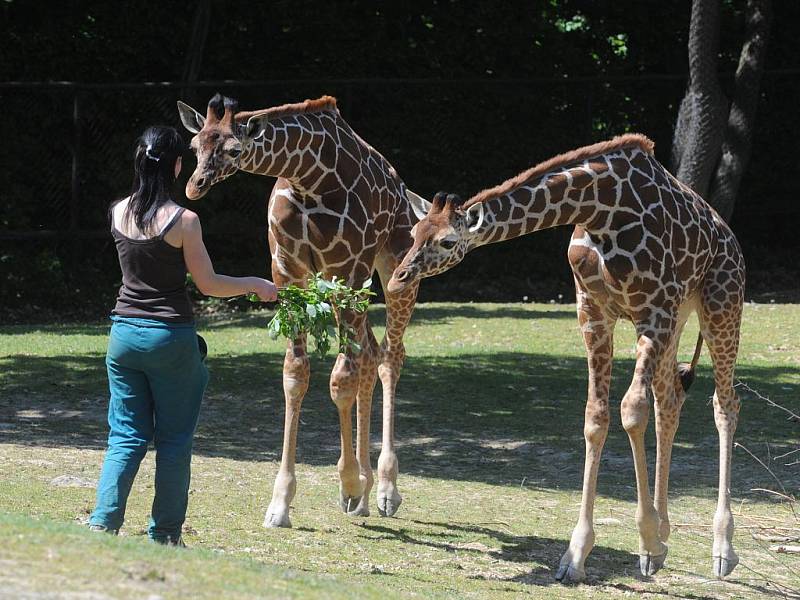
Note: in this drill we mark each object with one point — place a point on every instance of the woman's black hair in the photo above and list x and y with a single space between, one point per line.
157 150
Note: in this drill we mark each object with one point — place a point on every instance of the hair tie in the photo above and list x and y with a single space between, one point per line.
151 156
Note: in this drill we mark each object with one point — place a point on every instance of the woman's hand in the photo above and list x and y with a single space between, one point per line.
265 289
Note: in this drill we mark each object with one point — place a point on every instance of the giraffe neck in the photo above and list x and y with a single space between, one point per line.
585 193
305 149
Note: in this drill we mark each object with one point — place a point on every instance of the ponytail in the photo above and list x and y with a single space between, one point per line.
157 151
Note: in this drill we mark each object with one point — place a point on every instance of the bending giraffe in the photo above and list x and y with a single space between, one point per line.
645 248
338 207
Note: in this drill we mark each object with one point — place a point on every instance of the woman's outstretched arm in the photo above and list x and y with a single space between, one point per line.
210 283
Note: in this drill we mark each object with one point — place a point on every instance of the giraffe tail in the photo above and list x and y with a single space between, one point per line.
686 370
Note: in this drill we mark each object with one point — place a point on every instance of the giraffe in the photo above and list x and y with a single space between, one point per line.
647 248
337 207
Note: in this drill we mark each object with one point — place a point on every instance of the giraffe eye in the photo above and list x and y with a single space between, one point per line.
234 152
448 244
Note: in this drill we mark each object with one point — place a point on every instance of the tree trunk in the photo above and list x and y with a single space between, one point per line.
699 129
739 133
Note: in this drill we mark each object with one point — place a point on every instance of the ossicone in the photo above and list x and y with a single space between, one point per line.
439 201
454 200
231 106
216 107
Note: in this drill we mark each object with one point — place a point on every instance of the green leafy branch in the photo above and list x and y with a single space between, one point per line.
311 310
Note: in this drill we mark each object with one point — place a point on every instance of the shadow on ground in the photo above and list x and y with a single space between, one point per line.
505 418
543 553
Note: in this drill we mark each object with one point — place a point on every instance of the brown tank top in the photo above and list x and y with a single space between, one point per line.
153 278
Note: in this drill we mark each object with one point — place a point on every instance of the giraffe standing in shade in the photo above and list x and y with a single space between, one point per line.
338 207
646 248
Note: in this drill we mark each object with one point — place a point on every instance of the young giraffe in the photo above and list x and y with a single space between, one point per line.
338 207
645 248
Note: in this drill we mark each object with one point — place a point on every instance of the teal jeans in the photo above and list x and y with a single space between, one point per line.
156 381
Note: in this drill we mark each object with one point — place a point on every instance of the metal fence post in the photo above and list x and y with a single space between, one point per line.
77 153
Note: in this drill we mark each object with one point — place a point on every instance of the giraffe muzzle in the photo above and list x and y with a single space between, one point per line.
197 188
400 280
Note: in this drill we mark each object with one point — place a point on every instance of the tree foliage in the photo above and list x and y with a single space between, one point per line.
457 95
133 41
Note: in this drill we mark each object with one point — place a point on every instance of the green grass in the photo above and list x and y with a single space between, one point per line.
43 556
489 428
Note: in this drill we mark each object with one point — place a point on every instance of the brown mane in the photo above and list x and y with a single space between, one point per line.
580 154
298 108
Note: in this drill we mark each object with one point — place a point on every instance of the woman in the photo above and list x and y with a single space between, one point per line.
155 372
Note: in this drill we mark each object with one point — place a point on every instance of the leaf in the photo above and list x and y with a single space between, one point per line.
367 284
274 328
312 311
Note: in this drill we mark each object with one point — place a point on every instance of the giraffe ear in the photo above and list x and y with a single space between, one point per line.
474 216
255 126
419 205
191 119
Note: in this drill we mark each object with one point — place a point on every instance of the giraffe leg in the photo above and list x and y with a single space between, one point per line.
368 363
598 332
295 383
720 328
398 313
344 384
635 413
669 398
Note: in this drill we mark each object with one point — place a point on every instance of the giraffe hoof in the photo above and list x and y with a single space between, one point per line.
567 574
276 519
389 504
349 504
650 565
362 509
724 566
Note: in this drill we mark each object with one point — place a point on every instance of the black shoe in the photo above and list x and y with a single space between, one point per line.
103 529
177 541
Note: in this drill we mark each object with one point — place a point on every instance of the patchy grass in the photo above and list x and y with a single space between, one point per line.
41 556
489 427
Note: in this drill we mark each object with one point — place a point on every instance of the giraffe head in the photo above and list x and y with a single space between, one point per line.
440 240
215 143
